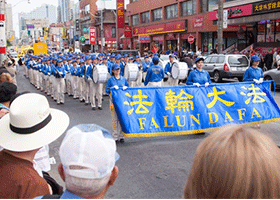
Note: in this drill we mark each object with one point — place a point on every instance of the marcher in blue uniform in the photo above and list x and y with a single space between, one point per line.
146 64
117 82
155 74
254 73
199 76
60 82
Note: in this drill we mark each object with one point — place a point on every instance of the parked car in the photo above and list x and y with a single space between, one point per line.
273 74
222 66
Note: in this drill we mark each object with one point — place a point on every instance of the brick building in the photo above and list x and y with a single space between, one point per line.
169 23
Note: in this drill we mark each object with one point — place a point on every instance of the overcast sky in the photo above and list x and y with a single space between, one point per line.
23 6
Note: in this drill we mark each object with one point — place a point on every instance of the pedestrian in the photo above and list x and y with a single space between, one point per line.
198 53
277 59
254 73
140 73
261 63
7 91
235 163
84 173
268 59
168 70
155 74
30 125
116 82
199 76
6 77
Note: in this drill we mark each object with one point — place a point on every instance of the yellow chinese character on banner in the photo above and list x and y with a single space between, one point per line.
265 6
260 7
181 101
141 109
274 5
269 6
217 98
257 8
254 92
278 4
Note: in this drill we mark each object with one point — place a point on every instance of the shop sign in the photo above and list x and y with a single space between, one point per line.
267 6
128 31
144 39
237 11
107 42
198 22
191 39
158 38
160 28
120 13
92 35
171 36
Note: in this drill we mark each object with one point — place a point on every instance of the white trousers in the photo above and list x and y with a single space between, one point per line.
74 86
80 85
154 84
60 85
117 130
139 80
172 82
96 92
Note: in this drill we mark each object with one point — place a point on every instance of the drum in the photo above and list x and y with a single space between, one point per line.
180 71
100 73
131 72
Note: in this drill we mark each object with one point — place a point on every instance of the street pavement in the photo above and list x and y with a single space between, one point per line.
148 167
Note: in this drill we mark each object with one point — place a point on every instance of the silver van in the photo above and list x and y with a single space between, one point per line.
221 66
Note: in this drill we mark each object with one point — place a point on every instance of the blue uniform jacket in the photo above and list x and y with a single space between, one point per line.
114 81
59 69
253 73
168 67
200 77
89 71
154 74
145 66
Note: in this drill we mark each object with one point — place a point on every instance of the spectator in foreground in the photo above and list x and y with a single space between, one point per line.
7 91
88 155
6 77
30 125
235 162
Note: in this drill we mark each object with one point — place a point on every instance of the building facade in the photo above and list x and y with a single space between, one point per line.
9 23
63 11
167 24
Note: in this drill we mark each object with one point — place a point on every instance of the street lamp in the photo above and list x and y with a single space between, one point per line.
28 1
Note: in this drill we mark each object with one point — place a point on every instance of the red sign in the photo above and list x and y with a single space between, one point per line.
2 17
198 22
237 11
108 42
144 39
191 39
160 28
120 13
128 31
92 35
2 50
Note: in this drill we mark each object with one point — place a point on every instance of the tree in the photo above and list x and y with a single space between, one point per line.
9 43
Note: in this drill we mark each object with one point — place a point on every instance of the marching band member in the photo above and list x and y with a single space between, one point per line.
155 74
81 79
42 76
74 79
199 76
60 82
254 73
104 62
117 82
86 84
47 73
167 71
146 64
140 74
118 61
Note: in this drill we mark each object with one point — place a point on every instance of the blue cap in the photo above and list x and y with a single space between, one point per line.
59 60
136 56
131 58
155 59
104 58
74 61
93 57
255 58
115 66
112 56
171 55
156 54
125 55
87 58
118 57
198 59
146 57
82 61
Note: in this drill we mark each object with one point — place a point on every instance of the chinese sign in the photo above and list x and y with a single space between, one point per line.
144 39
150 112
2 34
92 35
198 22
266 6
128 31
120 13
160 28
233 12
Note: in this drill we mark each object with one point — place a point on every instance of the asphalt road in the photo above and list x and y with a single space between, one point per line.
148 167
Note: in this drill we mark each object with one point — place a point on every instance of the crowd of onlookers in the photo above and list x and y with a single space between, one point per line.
233 162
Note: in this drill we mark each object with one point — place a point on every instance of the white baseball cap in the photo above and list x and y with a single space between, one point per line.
88 151
31 124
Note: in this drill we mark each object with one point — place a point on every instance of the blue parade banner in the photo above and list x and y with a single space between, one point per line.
150 112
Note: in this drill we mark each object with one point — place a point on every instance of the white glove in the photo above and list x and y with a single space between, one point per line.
168 74
60 73
116 87
197 84
83 76
206 84
89 79
260 80
124 87
256 81
49 73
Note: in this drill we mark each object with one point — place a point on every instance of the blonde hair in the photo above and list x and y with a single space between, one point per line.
235 162
5 77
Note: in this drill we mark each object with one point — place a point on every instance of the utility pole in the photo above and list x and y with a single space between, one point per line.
220 26
2 32
102 33
117 32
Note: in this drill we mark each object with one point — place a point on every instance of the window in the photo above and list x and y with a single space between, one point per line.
157 14
133 1
221 59
87 9
188 8
208 5
113 32
214 59
135 20
171 11
145 17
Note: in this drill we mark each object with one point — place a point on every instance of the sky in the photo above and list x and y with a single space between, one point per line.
24 6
